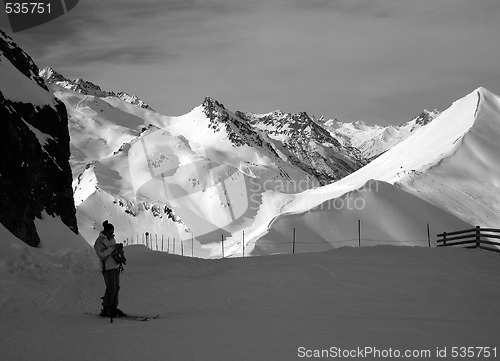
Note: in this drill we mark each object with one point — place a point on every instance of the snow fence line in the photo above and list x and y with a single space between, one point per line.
174 245
484 238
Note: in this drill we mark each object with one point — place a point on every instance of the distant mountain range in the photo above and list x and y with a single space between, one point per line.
328 149
275 151
373 140
246 178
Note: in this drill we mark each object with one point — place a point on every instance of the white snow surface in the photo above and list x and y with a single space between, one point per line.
259 308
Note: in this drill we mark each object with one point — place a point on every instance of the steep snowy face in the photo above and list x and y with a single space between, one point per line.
35 175
309 146
467 181
88 88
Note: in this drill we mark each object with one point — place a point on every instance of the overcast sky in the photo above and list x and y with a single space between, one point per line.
380 61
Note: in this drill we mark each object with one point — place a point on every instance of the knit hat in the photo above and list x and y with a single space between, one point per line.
107 226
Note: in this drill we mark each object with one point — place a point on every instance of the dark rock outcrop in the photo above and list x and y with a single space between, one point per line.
35 174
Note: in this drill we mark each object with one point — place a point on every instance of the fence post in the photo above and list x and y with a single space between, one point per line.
243 243
182 248
293 247
478 237
222 237
359 232
192 245
428 235
444 239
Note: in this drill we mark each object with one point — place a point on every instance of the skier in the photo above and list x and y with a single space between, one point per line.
105 247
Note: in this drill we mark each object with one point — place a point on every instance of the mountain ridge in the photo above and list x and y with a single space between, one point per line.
86 87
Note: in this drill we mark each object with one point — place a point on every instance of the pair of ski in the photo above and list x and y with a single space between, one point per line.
140 318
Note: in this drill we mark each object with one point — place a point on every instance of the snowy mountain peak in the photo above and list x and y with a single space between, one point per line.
359 124
312 147
288 126
51 75
426 116
211 103
277 113
88 88
373 140
79 85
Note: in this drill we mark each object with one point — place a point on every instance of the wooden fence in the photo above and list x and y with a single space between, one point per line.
477 237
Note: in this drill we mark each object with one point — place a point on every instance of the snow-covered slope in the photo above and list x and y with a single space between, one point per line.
97 129
386 215
215 174
262 308
467 183
211 178
451 162
219 161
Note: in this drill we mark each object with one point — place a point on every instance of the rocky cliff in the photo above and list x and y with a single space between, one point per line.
35 175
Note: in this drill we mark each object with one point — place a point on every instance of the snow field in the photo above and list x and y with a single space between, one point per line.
259 308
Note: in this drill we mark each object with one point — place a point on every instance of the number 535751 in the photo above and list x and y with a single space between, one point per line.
27 8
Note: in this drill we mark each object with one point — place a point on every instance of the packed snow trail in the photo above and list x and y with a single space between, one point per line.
260 308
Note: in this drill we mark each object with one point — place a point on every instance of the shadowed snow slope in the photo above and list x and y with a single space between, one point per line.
387 215
260 308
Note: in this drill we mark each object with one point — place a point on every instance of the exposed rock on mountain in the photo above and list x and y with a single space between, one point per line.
35 175
310 146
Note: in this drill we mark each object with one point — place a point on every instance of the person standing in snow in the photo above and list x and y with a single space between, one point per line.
104 246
